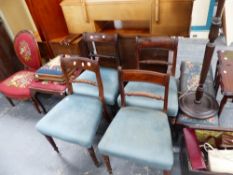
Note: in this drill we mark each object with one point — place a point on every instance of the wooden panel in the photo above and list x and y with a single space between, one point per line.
125 10
48 17
172 17
9 62
74 16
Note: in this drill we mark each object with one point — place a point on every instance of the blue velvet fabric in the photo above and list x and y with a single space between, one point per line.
110 84
74 119
141 135
149 102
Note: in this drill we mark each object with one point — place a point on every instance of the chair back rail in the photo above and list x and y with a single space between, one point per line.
169 44
93 42
75 62
161 79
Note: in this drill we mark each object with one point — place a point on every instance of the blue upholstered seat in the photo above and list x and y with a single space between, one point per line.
74 119
139 134
149 102
110 84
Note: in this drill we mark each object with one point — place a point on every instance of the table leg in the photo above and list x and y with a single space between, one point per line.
222 104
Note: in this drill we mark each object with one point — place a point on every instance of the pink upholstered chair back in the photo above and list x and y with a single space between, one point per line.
27 50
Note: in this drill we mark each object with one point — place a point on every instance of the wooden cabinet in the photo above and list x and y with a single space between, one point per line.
48 18
9 62
163 17
171 17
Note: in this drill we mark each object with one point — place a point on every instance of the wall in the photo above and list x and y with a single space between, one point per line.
17 16
228 22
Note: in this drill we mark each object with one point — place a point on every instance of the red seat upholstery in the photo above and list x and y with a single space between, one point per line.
17 85
49 86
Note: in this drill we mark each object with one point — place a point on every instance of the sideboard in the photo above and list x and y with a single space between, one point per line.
157 17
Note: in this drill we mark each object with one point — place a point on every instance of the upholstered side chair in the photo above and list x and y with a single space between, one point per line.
105 48
76 117
148 53
17 85
137 133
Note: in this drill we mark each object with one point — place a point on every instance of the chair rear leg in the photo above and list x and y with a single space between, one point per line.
166 172
51 141
93 156
106 114
107 163
10 101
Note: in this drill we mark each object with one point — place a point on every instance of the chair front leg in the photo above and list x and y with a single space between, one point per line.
10 101
107 163
41 105
166 172
93 156
36 105
51 141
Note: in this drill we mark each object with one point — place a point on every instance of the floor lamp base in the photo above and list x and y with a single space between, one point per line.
208 106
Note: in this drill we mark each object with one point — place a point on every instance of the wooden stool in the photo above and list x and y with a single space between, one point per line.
224 76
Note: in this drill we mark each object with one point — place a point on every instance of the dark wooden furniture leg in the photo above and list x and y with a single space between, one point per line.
222 104
93 156
106 114
10 101
165 172
51 141
107 163
41 105
35 103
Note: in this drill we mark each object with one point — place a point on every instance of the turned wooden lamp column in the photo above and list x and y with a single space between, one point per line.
200 104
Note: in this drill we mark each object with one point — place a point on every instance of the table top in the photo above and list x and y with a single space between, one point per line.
225 70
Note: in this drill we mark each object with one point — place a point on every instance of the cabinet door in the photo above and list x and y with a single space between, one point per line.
9 62
48 18
171 17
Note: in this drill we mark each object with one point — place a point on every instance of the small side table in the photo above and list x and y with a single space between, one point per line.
224 77
46 87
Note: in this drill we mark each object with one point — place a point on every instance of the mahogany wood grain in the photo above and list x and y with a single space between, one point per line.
48 18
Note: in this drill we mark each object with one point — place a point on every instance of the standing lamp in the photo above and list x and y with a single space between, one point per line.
199 104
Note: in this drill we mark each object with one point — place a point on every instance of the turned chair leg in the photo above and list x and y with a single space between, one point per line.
51 141
10 101
41 105
93 156
36 105
107 164
166 172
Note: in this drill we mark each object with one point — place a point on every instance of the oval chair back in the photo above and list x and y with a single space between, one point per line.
27 50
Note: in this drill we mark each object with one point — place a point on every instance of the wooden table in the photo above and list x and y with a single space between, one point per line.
46 87
224 76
